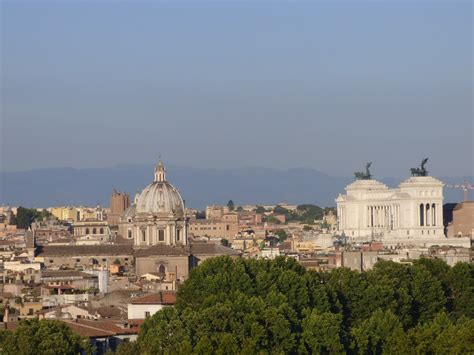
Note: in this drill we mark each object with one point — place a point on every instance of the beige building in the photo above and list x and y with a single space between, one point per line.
216 212
96 229
214 229
359 260
70 214
169 261
87 256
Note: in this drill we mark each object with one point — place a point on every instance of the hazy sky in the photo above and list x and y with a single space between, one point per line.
326 85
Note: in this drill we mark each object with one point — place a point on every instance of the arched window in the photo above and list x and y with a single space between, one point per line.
94 230
428 214
433 214
102 231
87 230
422 215
161 270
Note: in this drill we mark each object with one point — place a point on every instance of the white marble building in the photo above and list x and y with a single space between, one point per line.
411 214
157 215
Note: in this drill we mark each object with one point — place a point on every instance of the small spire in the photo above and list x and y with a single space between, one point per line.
160 172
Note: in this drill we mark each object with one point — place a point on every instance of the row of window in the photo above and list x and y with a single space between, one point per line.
161 235
94 230
207 228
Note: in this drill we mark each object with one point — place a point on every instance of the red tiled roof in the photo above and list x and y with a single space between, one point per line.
156 298
102 328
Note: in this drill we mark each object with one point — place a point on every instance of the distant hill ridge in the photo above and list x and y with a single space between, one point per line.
199 186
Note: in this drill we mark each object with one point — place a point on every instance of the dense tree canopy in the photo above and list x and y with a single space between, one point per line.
25 216
251 306
304 213
46 337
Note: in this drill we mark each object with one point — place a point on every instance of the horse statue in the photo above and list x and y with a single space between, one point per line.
421 171
359 175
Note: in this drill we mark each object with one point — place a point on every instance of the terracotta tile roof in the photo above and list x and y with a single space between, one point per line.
211 249
103 328
92 250
161 249
156 298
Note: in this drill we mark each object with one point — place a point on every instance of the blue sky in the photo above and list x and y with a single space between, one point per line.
326 85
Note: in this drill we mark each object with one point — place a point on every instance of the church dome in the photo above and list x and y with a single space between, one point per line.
160 197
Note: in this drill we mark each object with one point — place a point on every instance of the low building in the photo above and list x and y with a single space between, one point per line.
359 260
146 306
85 256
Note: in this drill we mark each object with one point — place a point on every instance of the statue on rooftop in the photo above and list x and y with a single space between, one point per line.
421 171
359 175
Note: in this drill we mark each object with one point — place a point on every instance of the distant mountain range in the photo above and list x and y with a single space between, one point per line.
199 186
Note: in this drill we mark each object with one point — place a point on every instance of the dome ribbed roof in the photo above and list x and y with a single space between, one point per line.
160 196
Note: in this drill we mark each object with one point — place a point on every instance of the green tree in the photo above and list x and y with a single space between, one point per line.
439 336
461 285
374 334
322 333
260 209
281 234
273 220
280 210
428 296
25 216
35 336
229 306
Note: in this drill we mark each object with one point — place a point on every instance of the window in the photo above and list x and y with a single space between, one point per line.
161 235
143 235
178 232
422 215
104 260
147 314
78 260
102 231
51 260
87 230
162 270
94 231
129 234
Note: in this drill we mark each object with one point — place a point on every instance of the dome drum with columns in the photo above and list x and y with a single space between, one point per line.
157 215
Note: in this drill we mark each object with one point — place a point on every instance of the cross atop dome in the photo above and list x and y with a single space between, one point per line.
160 172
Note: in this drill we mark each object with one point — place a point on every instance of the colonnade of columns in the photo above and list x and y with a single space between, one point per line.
428 215
382 216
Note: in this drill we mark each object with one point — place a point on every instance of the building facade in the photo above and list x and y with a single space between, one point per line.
412 213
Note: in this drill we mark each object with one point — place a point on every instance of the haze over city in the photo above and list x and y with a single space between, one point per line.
236 177
321 85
